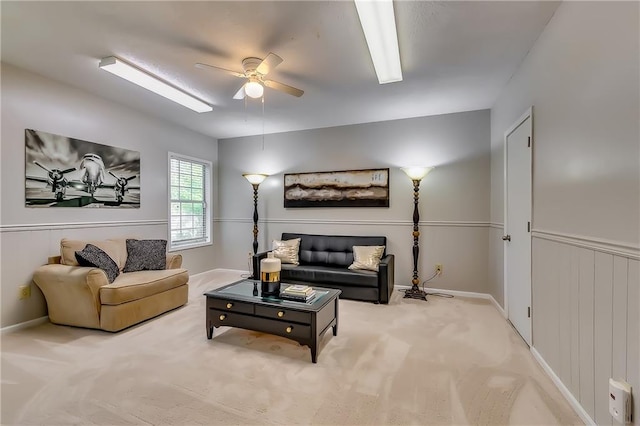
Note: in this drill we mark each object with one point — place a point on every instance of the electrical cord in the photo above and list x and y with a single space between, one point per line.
249 267
448 296
435 274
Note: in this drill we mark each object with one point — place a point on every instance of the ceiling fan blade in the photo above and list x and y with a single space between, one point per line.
270 62
207 67
240 94
283 88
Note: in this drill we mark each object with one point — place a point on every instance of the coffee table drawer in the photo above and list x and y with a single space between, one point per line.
232 306
284 314
277 327
282 328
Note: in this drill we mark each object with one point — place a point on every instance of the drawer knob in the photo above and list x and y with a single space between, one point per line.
229 305
280 314
222 317
289 329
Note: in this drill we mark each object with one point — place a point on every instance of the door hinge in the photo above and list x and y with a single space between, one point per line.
528 311
529 141
528 226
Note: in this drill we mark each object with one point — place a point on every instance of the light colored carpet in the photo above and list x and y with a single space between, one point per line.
446 361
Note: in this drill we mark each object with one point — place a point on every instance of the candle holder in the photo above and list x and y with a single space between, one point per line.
270 275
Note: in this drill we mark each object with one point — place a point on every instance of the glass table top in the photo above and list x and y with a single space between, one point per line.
250 290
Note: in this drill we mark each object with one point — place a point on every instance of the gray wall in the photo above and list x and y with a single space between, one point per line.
581 78
30 235
454 198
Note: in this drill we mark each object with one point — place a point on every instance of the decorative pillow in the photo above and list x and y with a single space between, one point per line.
98 258
367 257
287 251
146 255
68 248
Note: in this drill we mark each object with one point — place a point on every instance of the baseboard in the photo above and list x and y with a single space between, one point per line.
563 389
242 271
497 306
217 269
23 325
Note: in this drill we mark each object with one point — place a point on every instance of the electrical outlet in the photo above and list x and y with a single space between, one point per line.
25 291
439 269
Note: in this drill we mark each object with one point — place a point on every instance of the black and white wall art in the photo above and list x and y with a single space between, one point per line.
65 172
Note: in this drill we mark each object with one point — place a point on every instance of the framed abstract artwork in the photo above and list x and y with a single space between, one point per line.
345 188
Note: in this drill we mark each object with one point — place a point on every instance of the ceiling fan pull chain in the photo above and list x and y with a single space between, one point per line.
246 114
263 121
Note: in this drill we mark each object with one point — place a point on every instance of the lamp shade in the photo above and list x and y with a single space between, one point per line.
253 89
416 173
255 178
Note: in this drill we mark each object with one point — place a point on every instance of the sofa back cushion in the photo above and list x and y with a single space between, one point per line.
116 249
334 250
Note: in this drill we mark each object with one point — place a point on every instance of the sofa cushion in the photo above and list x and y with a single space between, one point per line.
319 274
334 250
115 249
367 257
136 285
287 251
94 256
146 255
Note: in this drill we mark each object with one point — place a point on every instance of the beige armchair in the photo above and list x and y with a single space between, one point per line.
83 297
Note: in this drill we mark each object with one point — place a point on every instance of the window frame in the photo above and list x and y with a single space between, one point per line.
208 206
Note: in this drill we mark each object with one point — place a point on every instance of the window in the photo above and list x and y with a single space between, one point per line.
189 202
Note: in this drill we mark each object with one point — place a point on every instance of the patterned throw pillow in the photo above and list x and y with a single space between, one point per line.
287 251
94 256
146 255
367 257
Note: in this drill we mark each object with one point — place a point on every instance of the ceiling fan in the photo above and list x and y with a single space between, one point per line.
255 69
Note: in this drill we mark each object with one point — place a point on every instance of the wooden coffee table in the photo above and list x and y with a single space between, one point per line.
241 305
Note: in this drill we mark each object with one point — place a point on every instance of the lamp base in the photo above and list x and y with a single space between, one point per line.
415 293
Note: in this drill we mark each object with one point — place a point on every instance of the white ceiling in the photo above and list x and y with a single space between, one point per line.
456 56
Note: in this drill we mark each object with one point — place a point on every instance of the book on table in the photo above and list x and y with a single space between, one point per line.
298 290
298 293
295 298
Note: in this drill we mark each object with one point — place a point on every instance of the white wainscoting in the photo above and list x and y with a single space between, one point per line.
586 322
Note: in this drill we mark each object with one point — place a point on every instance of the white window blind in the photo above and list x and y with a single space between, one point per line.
189 195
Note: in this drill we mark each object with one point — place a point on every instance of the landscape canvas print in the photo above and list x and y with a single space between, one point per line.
348 188
67 172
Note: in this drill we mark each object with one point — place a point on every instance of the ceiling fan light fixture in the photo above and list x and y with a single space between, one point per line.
254 89
151 82
379 26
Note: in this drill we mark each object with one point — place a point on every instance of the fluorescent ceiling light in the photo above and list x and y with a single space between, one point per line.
150 82
379 27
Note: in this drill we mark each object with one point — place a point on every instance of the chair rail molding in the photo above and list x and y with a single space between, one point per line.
76 225
349 222
618 248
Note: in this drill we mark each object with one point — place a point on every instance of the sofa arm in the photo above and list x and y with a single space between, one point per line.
386 277
174 261
72 293
255 261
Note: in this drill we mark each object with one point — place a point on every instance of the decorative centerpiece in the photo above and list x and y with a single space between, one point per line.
270 275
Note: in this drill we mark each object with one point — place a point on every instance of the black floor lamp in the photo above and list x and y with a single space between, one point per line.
416 174
255 179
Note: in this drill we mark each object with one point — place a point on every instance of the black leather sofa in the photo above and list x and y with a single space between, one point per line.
324 262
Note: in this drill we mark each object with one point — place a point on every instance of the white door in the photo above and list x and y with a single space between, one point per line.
517 225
